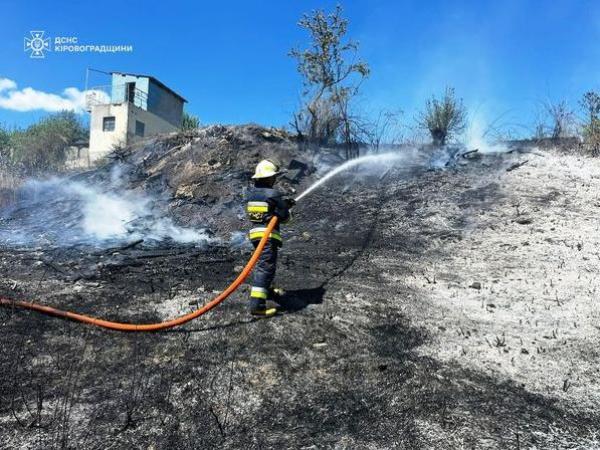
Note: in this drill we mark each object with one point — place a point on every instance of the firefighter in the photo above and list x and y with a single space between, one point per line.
264 202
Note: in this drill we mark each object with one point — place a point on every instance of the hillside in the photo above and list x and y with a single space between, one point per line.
447 308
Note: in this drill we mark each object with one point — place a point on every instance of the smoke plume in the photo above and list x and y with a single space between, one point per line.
66 212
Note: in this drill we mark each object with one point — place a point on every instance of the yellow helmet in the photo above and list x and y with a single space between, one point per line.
266 169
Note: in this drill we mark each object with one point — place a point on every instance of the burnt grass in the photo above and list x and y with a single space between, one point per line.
342 368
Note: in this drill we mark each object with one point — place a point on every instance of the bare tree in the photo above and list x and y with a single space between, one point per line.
350 126
562 119
318 122
384 129
444 117
331 76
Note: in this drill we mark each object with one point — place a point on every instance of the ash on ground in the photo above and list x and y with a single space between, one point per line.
450 308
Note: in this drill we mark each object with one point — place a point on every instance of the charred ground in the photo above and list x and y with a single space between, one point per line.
447 308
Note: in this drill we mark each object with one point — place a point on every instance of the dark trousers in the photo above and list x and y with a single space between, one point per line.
264 272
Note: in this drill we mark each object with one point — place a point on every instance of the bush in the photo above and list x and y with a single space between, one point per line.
444 117
189 122
43 146
5 135
591 126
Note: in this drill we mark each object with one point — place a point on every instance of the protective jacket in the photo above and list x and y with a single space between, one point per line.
263 204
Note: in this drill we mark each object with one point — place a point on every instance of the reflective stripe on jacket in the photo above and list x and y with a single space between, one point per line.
257 233
262 205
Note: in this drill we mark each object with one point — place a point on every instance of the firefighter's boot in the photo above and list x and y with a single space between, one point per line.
262 310
258 303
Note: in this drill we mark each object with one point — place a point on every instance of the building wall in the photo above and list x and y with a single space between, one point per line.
103 142
125 114
118 94
159 100
153 124
164 104
78 158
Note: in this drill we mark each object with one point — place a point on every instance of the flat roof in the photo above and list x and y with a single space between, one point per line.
154 80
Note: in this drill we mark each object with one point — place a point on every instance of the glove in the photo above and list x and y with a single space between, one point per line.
290 202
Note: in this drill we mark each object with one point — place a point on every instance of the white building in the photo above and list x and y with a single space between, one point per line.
133 107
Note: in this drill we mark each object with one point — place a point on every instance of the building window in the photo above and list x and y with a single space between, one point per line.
108 123
139 128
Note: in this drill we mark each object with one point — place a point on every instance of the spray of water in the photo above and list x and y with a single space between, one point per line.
375 160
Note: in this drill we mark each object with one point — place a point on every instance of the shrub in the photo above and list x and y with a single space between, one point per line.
43 146
5 138
444 117
189 122
591 126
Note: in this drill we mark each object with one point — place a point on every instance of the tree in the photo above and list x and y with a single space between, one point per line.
591 127
43 146
189 121
444 117
331 75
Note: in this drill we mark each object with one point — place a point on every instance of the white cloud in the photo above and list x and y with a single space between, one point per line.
29 99
6 84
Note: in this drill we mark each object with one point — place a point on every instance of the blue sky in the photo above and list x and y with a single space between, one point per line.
229 59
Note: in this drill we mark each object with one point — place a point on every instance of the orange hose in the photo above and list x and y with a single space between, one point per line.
119 326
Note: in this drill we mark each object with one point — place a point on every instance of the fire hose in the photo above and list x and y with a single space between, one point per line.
120 326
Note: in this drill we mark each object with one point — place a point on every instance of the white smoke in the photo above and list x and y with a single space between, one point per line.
127 214
476 137
62 211
105 216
